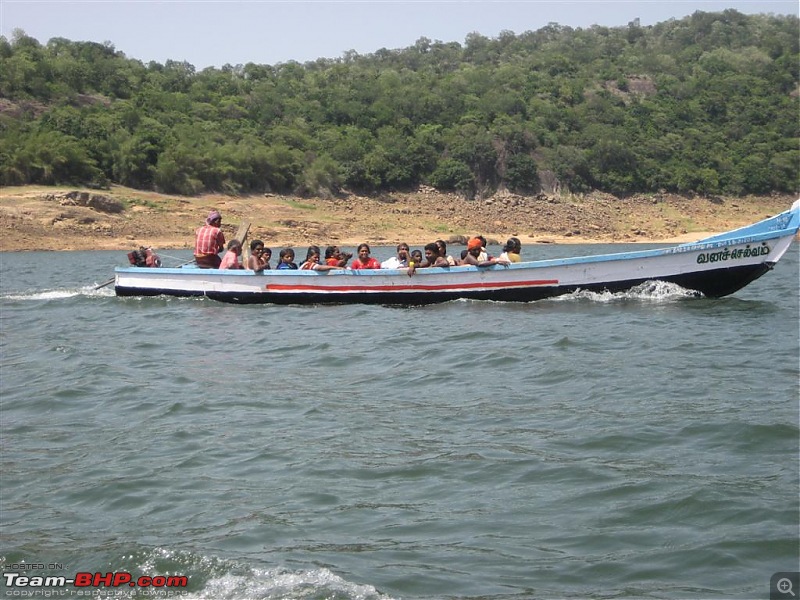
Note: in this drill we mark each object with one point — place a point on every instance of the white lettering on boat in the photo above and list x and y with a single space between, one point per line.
735 254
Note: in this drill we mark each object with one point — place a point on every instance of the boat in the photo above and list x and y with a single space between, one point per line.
715 266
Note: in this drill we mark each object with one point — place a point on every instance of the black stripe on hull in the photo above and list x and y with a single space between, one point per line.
714 284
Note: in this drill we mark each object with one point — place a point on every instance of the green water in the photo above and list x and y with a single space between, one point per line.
642 445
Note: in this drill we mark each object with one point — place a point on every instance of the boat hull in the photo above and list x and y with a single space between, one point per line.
714 267
713 284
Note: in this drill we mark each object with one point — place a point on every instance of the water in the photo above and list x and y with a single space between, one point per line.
639 445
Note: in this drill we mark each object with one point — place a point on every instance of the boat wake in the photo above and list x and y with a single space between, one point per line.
61 294
649 291
282 584
222 579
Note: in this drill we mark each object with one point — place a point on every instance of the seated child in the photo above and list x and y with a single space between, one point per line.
512 250
335 257
286 259
312 263
259 256
267 257
231 258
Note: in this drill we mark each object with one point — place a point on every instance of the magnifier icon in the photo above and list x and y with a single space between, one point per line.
785 586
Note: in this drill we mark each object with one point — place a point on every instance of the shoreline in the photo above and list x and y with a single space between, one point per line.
78 245
64 219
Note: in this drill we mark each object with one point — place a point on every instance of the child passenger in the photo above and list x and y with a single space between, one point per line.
259 256
286 259
335 257
231 258
512 250
312 263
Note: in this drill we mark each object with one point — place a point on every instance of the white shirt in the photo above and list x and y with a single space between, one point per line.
393 263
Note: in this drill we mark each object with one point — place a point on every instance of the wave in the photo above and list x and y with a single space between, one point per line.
223 579
60 294
649 291
658 291
278 584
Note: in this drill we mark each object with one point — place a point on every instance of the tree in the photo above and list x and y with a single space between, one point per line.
522 175
454 175
699 104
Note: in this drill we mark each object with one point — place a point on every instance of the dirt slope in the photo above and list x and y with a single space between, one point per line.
44 218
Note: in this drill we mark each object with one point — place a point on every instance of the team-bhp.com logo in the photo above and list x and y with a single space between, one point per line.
93 581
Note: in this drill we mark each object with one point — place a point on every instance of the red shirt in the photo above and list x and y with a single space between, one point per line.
208 240
372 263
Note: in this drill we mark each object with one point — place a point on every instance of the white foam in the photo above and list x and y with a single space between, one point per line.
261 584
652 291
88 290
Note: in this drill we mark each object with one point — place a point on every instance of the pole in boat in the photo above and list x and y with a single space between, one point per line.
102 285
241 235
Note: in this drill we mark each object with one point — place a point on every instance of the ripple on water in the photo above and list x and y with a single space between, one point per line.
640 445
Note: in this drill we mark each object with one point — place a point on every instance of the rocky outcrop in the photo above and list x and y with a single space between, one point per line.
97 202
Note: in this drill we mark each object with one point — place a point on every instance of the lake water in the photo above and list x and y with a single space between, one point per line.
639 445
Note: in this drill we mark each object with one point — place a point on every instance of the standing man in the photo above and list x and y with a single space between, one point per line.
209 242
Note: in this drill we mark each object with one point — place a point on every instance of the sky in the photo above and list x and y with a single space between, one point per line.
213 33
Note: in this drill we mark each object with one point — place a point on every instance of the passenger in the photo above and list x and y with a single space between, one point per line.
512 250
472 257
364 260
311 250
443 253
286 259
400 261
432 259
483 255
231 258
259 256
267 257
312 264
335 257
209 241
416 257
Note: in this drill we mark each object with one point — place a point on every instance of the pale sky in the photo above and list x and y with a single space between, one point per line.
212 33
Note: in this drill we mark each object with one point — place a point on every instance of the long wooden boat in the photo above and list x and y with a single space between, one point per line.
715 266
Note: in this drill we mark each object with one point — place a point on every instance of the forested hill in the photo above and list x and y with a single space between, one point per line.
707 104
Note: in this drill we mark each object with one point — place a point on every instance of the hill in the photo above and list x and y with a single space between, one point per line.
705 105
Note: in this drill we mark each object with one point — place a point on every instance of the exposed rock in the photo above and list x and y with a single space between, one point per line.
97 202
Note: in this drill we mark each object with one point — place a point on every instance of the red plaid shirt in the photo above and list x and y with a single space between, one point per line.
208 240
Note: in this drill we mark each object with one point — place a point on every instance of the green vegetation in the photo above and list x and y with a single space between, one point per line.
707 104
150 204
299 205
